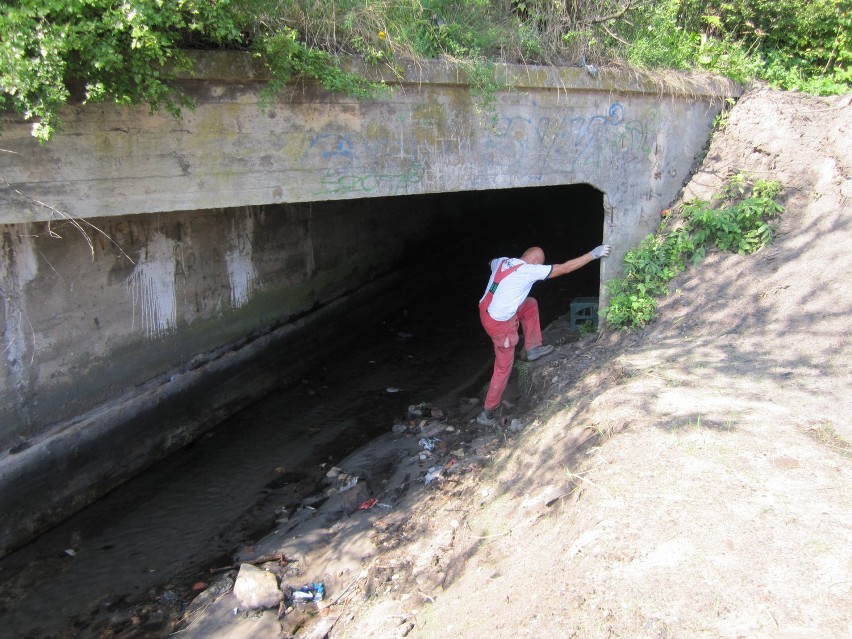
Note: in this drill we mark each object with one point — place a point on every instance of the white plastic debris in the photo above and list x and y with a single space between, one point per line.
348 485
427 444
432 474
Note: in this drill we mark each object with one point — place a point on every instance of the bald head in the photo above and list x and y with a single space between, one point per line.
533 255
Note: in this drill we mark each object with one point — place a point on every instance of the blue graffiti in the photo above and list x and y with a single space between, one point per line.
591 129
522 147
509 142
332 145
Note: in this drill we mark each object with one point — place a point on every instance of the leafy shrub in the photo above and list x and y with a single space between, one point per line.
285 56
656 39
587 327
630 304
117 51
739 220
742 227
790 44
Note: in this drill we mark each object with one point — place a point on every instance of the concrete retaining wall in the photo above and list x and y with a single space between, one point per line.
120 351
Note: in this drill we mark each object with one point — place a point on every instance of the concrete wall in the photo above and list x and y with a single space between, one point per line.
90 314
633 138
146 259
120 350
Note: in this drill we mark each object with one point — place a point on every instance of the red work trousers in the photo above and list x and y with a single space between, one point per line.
505 337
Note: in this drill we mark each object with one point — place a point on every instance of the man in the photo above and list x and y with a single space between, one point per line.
506 304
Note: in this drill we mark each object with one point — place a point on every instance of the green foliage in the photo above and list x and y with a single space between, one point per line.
657 40
741 227
484 86
56 51
466 29
524 378
791 44
114 51
630 304
587 328
739 220
285 56
647 270
804 46
721 120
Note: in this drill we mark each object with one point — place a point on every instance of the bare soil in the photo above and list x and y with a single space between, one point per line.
691 479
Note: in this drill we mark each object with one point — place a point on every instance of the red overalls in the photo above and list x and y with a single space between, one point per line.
504 336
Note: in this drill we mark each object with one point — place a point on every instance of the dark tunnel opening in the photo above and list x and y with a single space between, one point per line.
565 221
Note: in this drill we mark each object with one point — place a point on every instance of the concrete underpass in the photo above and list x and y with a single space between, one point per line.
159 276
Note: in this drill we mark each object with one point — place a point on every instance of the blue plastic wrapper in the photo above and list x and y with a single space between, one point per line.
310 592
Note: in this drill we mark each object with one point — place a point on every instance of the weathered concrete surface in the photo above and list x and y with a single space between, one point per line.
109 364
208 256
633 138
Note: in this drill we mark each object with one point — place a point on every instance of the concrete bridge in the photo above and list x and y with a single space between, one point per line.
147 260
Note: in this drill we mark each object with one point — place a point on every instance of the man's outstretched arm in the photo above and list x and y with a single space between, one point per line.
572 265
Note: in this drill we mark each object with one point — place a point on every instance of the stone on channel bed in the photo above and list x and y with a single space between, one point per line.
256 588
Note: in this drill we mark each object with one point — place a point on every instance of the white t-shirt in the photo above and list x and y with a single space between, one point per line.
515 287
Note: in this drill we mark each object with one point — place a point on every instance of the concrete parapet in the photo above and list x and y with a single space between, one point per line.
633 136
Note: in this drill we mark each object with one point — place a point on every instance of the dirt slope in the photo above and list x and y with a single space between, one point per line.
692 479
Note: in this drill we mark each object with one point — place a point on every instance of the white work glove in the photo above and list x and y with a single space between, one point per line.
601 251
